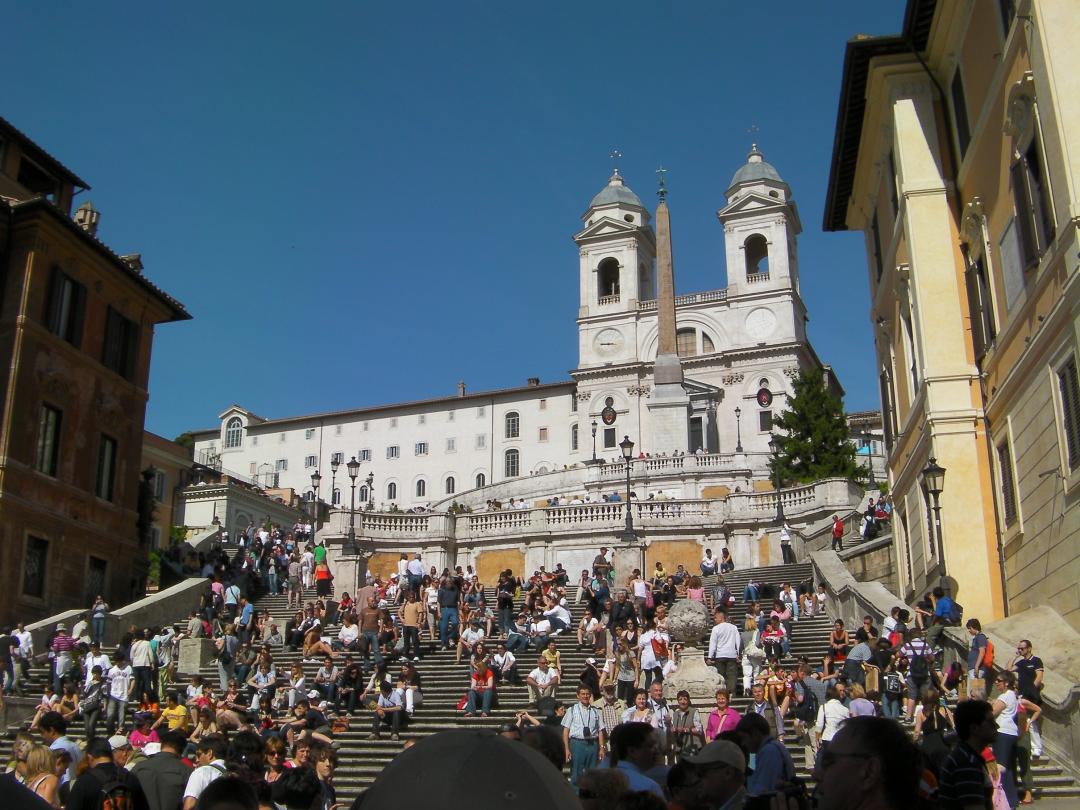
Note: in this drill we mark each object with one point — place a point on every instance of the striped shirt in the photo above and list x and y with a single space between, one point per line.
964 781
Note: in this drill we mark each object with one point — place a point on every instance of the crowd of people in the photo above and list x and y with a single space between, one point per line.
878 694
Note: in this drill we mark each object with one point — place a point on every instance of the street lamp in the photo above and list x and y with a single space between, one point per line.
774 448
594 441
738 429
315 480
354 470
370 481
627 448
933 478
335 462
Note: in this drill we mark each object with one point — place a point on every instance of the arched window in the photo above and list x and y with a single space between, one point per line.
646 288
364 495
707 346
512 466
450 485
421 488
573 437
756 248
513 425
234 433
686 342
391 491
607 278
335 499
309 496
481 480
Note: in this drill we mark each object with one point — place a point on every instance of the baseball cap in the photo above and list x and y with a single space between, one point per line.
118 741
591 661
719 752
475 766
60 626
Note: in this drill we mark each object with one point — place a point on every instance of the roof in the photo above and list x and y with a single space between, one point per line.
755 170
616 192
918 17
176 309
270 423
39 155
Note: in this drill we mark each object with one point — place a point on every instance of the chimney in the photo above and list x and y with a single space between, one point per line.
534 382
461 388
134 261
86 217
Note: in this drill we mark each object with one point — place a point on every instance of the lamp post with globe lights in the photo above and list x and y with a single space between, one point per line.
354 470
933 478
774 448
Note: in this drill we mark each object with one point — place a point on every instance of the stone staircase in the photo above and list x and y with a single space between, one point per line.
445 682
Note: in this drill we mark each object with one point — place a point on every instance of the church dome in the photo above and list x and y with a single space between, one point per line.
756 170
616 192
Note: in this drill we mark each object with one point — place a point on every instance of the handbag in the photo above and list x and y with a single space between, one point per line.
649 601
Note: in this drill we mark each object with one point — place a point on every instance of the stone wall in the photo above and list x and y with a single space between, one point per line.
873 562
489 564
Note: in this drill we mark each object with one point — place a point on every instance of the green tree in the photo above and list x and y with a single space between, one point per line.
812 435
185 439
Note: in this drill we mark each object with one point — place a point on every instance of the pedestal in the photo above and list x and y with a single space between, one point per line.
350 573
669 409
195 653
693 675
627 557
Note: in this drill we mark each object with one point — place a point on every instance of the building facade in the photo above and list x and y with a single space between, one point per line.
169 468
739 349
954 157
76 331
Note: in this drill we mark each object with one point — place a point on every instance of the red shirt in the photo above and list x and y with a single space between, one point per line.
482 682
838 528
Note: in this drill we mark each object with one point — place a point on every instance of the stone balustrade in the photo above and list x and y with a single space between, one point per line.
642 468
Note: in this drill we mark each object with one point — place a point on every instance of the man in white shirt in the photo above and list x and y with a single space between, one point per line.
724 645
121 682
415 572
468 639
559 617
347 635
210 760
95 658
542 682
504 665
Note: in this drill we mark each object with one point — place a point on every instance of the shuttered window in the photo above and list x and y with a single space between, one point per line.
1008 484
1070 411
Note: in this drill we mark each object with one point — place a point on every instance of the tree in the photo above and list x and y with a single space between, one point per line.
813 435
185 439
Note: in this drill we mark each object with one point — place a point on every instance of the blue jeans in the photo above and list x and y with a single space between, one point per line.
271 579
98 623
448 625
483 698
584 756
750 594
516 641
372 638
890 706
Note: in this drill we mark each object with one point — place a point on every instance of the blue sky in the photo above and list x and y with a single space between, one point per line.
363 203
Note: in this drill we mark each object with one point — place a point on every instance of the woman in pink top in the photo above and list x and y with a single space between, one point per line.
142 733
696 590
722 718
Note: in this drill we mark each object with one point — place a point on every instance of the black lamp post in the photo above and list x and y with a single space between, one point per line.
774 448
738 429
933 477
315 480
370 481
627 447
354 470
594 441
334 464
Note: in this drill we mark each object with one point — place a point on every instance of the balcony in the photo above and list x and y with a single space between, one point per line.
688 300
609 299
756 278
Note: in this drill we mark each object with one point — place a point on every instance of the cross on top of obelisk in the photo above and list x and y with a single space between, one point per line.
661 192
615 155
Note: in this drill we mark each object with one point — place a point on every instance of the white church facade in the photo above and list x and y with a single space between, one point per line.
732 356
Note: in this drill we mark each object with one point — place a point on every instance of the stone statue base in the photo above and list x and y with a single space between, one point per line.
195 653
695 676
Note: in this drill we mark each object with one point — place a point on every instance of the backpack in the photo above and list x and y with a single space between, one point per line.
920 669
808 709
988 655
116 794
956 615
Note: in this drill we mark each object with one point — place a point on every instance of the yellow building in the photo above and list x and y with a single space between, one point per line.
169 467
952 155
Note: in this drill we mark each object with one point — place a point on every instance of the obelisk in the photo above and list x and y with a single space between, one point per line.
668 403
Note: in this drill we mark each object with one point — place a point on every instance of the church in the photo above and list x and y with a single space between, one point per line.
701 374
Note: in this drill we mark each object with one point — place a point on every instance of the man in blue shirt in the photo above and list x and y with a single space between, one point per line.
634 747
943 608
246 620
772 762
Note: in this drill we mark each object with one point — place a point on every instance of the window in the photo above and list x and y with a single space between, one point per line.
686 342
1031 196
543 434
121 344
421 419
281 437
1007 11
252 468
106 469
335 497
254 441
35 566
481 441
573 403
573 437
363 455
66 308
48 442
450 484
480 412
1070 411
391 491
310 461
337 430
543 404
366 425
607 278
96 571
421 488
393 451
234 433
765 421
481 480
512 464
449 416
909 347
337 458
393 422
159 486
363 494
983 326
756 254
1008 484
421 448
155 539
451 445
309 433
707 346
281 465
610 438
513 425
960 115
